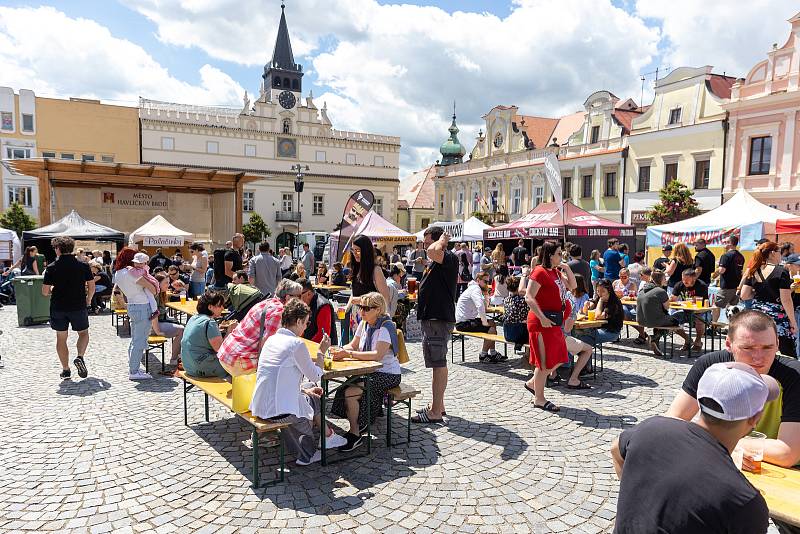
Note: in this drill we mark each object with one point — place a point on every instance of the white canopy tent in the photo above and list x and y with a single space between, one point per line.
159 232
470 230
10 245
741 214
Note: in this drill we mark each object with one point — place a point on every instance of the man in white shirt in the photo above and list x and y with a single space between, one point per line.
471 315
286 261
476 262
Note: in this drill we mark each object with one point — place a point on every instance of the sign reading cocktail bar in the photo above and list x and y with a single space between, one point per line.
134 199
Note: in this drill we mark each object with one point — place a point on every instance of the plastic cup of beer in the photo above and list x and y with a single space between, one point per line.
183 299
412 285
753 449
698 302
340 313
591 314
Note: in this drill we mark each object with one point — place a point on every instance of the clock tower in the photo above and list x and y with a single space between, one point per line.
283 78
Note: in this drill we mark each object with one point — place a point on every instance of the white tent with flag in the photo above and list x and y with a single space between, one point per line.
470 230
10 245
159 232
741 215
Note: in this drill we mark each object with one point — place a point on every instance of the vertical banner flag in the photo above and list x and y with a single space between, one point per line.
356 208
553 175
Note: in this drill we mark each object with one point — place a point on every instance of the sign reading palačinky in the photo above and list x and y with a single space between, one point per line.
171 241
134 199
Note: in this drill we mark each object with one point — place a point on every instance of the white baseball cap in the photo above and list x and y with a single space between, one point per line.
737 388
141 257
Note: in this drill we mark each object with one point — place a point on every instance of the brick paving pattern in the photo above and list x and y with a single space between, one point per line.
109 455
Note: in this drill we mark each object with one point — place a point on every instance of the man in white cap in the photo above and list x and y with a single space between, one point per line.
678 476
753 340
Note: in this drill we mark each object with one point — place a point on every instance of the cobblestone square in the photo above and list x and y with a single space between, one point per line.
106 454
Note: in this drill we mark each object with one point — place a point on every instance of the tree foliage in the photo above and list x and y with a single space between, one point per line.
484 217
17 219
677 203
255 230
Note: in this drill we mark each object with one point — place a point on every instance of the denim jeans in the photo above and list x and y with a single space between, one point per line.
601 335
139 315
516 332
196 289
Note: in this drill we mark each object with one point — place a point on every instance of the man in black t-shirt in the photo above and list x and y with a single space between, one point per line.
70 285
678 476
687 289
704 261
729 271
231 262
661 263
581 267
753 339
436 311
518 254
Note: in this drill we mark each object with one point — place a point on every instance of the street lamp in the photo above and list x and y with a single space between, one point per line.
298 188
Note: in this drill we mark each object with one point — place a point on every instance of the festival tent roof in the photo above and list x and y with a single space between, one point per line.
74 226
10 236
379 229
741 213
787 226
470 230
158 226
545 221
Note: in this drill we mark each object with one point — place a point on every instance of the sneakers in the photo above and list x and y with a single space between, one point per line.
66 374
334 441
80 365
483 356
140 375
353 442
314 459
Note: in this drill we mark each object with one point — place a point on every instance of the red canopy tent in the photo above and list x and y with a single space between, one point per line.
575 225
788 226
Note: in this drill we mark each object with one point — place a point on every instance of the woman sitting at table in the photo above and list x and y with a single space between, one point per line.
500 287
395 285
161 325
202 338
299 272
338 277
375 339
515 325
607 308
322 274
625 288
279 395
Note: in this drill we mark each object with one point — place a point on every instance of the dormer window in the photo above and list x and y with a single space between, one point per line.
595 136
287 126
674 116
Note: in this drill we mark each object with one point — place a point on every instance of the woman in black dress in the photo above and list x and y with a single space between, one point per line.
367 276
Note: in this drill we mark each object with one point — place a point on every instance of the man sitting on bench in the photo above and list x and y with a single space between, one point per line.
471 315
652 307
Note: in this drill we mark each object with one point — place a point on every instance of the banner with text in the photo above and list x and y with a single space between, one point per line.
357 207
171 241
134 199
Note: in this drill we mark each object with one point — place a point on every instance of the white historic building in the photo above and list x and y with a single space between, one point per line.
269 136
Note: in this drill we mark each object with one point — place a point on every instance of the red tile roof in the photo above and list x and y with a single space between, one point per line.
624 118
720 85
417 190
538 129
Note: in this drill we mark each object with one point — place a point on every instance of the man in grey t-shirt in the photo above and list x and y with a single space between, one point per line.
265 271
309 262
581 267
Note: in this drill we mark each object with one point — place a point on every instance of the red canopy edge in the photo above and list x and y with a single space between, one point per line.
787 226
545 221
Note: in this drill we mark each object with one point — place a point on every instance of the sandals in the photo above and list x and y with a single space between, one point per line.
428 408
529 389
581 385
423 418
548 407
553 382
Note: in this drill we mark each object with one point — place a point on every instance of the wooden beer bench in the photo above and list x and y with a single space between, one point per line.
497 338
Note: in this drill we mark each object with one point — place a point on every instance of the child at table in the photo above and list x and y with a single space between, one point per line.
142 270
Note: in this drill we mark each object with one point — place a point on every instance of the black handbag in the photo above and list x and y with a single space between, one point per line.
555 317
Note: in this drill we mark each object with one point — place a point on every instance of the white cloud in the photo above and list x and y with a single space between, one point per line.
45 50
732 37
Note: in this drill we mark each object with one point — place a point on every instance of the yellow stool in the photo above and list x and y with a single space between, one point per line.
155 343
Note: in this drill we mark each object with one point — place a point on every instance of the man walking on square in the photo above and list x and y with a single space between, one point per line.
436 311
70 285
265 271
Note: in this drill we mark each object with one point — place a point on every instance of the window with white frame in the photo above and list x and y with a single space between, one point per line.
287 201
14 152
586 186
67 156
107 159
87 157
318 204
378 207
378 161
48 154
610 189
475 198
760 154
212 147
494 196
167 143
516 198
674 116
21 194
250 151
538 195
460 202
350 159
27 122
320 156
7 121
248 200
702 173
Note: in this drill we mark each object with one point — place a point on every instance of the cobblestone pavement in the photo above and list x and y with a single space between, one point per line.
109 455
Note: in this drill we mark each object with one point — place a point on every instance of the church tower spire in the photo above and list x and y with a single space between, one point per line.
452 150
282 73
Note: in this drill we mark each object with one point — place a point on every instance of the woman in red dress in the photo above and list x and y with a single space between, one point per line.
546 293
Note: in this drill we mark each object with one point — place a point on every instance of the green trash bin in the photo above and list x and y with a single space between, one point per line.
32 306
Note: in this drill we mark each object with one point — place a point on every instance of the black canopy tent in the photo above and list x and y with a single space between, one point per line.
74 226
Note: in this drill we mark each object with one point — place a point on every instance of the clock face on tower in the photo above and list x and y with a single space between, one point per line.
287 99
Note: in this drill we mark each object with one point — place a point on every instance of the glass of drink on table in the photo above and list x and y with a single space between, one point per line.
412 285
698 302
183 298
753 450
340 312
591 314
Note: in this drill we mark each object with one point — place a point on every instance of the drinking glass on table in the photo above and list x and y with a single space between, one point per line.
753 450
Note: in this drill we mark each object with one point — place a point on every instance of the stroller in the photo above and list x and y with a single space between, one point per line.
7 287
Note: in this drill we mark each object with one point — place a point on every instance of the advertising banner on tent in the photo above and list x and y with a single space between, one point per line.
553 174
171 241
356 208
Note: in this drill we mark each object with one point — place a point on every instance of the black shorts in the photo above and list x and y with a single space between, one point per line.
60 321
473 325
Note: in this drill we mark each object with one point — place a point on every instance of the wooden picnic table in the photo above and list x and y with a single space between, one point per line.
691 310
330 288
586 324
627 301
187 308
499 310
343 373
781 489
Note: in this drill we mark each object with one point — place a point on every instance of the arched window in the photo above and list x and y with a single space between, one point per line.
287 126
475 197
286 83
295 85
494 197
276 82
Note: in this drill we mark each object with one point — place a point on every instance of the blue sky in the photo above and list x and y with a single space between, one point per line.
382 67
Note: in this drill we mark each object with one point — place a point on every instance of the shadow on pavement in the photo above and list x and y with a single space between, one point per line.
82 388
513 445
593 419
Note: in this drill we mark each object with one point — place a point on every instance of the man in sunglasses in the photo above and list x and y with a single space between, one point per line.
471 315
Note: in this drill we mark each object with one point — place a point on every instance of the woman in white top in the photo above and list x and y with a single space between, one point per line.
395 285
135 289
375 339
279 395
500 287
